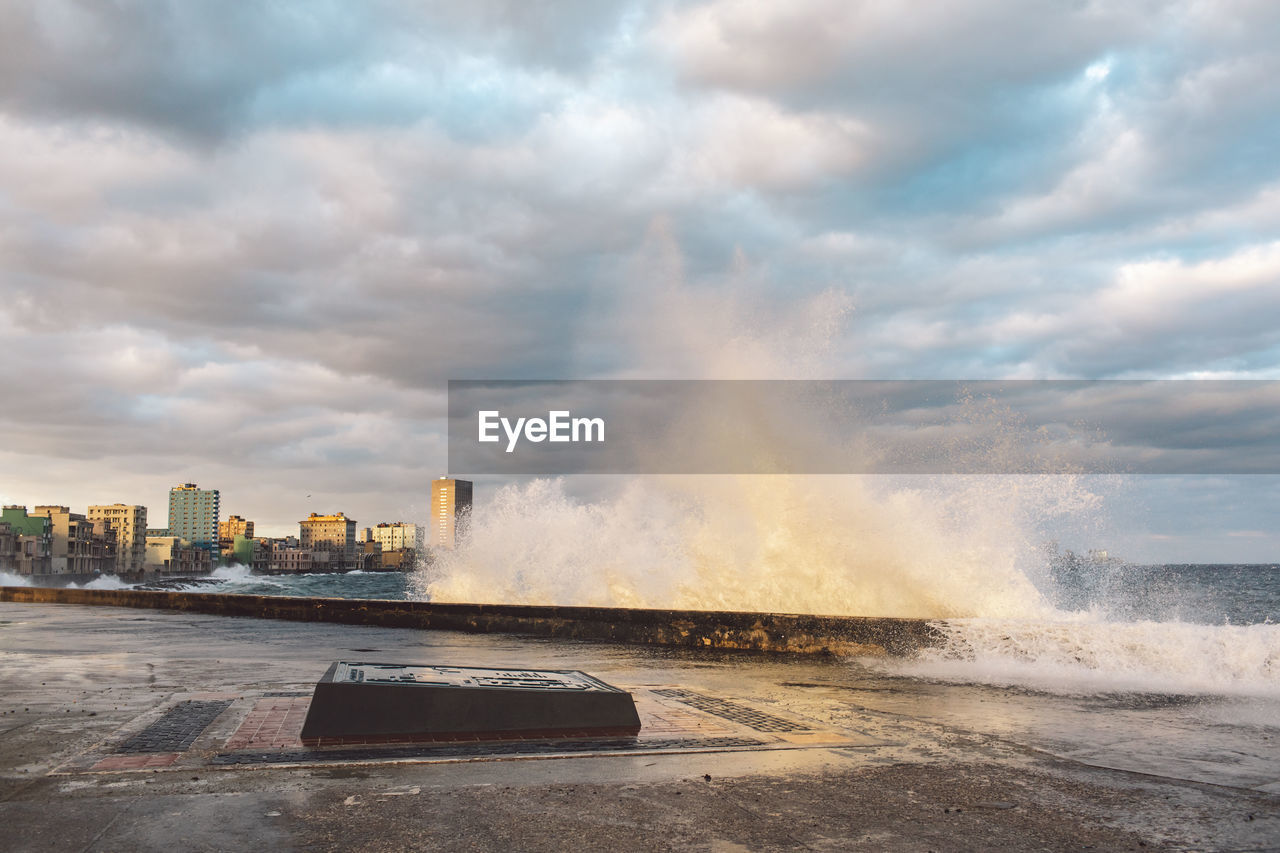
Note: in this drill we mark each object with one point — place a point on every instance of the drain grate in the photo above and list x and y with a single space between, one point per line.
750 717
474 750
177 729
281 694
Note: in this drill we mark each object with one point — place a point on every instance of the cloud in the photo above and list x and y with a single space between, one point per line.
299 219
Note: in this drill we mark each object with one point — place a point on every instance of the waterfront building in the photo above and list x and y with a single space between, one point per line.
172 555
128 523
193 515
403 560
371 555
32 541
295 559
334 534
25 524
235 526
76 547
397 536
450 511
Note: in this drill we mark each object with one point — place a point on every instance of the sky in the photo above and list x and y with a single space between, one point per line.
246 245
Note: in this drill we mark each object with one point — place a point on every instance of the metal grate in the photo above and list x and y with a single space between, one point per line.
177 729
750 717
471 750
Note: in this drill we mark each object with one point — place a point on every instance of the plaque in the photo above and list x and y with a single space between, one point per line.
386 703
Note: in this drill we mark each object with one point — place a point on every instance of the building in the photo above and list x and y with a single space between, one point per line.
128 523
398 561
170 555
235 526
32 542
334 534
77 547
193 515
397 536
370 555
293 559
450 511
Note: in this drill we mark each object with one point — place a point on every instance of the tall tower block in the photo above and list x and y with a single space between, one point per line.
450 511
193 515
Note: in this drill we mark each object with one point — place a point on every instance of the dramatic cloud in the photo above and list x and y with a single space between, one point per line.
249 244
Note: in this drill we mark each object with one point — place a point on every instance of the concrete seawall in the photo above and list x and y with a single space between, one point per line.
766 632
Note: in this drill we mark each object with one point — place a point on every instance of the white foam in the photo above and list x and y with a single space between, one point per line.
103 582
829 545
234 573
1079 655
10 579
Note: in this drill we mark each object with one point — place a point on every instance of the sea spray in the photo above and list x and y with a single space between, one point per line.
103 582
1077 654
925 548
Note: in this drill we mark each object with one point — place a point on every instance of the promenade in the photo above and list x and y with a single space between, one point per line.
125 729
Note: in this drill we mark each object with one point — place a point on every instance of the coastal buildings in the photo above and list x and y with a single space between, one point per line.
31 540
450 511
332 534
115 539
232 535
78 548
235 526
25 542
128 523
171 555
193 515
397 536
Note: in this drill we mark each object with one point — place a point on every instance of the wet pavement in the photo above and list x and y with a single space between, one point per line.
142 730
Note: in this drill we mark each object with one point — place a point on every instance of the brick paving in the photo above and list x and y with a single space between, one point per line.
177 729
274 723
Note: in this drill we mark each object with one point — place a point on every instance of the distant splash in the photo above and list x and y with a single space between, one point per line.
102 582
1082 656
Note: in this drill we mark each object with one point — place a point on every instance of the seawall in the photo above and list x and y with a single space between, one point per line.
764 632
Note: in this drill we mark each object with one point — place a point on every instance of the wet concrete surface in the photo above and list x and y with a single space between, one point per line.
874 763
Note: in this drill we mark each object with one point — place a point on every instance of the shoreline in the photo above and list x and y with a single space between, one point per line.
722 630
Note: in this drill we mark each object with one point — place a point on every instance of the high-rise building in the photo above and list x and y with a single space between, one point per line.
450 511
193 515
397 536
335 534
235 526
128 522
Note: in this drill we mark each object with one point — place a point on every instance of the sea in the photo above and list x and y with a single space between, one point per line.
1115 628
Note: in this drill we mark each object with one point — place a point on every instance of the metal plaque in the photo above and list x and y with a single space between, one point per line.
359 702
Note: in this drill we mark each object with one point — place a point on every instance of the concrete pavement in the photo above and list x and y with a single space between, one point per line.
143 730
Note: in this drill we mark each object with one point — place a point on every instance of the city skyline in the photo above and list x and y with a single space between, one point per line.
250 248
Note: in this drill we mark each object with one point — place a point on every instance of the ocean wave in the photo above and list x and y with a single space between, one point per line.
1078 656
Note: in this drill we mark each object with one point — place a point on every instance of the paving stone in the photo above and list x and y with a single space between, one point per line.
738 713
177 729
